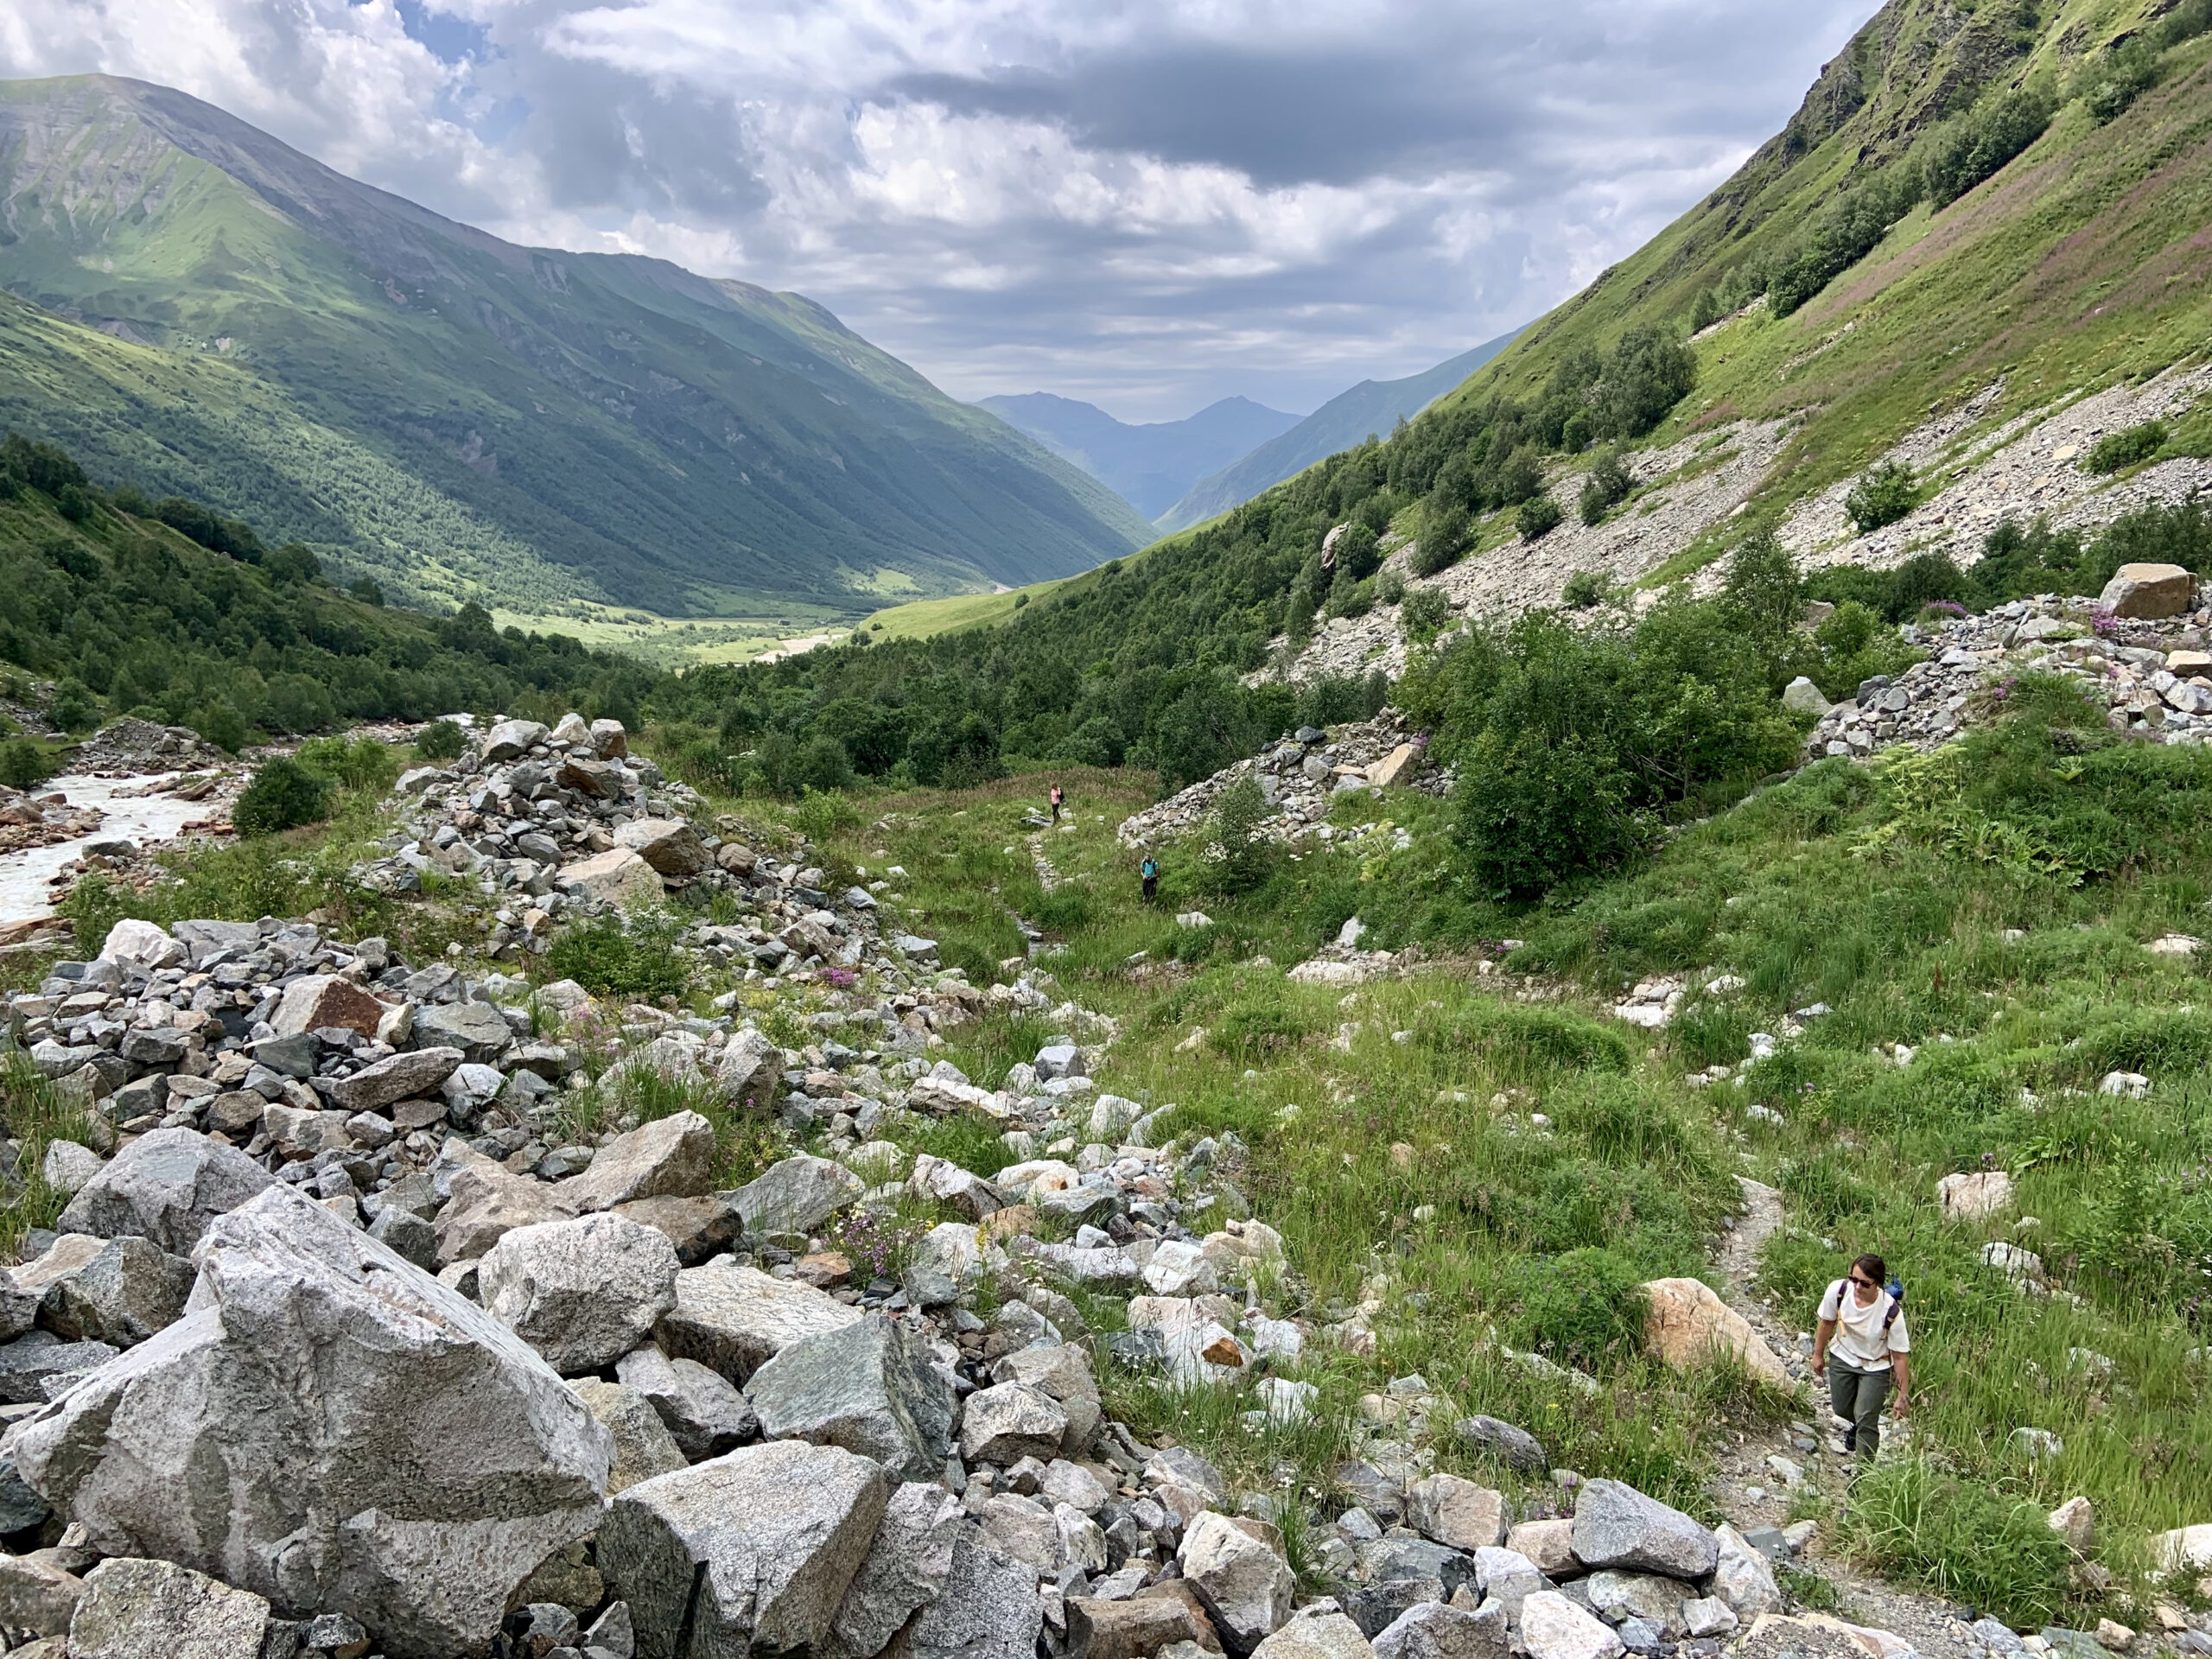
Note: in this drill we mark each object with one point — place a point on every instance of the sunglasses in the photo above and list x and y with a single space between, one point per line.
1868 1283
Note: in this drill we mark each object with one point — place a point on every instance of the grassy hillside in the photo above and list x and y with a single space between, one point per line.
551 426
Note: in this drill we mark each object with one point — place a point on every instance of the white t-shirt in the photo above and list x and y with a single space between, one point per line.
1858 1342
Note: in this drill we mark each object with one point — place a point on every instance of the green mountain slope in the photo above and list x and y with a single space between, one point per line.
558 427
1148 465
1370 408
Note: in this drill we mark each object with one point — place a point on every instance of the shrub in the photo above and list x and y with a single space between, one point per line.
1960 1539
1423 614
2117 450
1881 497
1607 486
1964 152
1238 854
220 724
23 764
283 795
362 763
73 707
1443 536
1587 590
2122 75
442 739
293 703
1539 516
609 957
1583 1308
1359 553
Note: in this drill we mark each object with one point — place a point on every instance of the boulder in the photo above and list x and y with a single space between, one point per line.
947 1183
734 1320
124 1294
1399 766
1061 1370
1515 1447
617 876
394 1078
137 1609
1548 1546
69 1168
989 1610
753 1549
143 944
486 1204
1552 1627
2148 591
1802 697
510 740
402 1230
907 1567
1618 1596
609 739
324 1003
1317 1634
1433 1630
596 778
331 1427
2075 1520
796 1195
167 1186
750 1071
1236 1567
701 1409
1743 1577
479 1031
672 1157
1971 1196
870 1387
583 1293
670 845
36 1367
1616 1526
1687 1325
1125 1629
37 1594
1456 1513
1179 1268
699 1228
643 1446
1009 1421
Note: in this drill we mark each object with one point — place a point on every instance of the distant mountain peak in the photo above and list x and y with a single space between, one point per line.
1149 466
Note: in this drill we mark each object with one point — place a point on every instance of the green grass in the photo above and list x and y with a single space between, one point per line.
36 1113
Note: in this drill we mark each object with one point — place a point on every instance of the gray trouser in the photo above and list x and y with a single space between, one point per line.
1858 1397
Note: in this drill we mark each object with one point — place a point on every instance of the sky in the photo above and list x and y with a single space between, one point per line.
1147 203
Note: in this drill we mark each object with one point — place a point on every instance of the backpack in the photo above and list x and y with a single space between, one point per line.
1150 869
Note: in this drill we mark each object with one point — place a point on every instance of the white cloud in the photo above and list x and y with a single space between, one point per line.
1153 202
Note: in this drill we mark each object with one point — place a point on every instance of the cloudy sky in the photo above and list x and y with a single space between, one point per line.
1146 203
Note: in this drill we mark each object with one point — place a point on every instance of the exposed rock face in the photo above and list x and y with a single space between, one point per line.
332 1429
734 1320
869 1387
1688 1324
756 1549
583 1293
167 1187
670 1157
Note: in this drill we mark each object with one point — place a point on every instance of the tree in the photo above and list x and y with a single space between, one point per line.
1443 536
1882 496
1607 487
1238 853
1762 581
1539 516
283 795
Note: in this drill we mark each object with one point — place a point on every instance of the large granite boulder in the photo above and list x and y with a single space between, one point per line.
137 1609
735 1319
167 1186
669 1158
1237 1567
989 1610
906 1567
583 1293
796 1195
1616 1526
332 1429
870 1387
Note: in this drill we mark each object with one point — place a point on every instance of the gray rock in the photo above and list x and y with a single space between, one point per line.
672 1157
1062 1370
69 1168
122 1295
511 739
754 1550
1515 1447
1457 1513
670 845
1127 1628
614 1633
1743 1578
1432 1631
35 1368
906 1568
583 1293
705 1413
396 1078
37 1594
1316 1634
1553 1627
734 1320
332 1427
989 1610
1381 1495
750 1071
797 1196
137 1609
479 1031
1658 1601
1236 1567
20 1507
869 1387
1009 1421
487 1203
1400 1557
1616 1526
1378 1607
408 1234
643 1446
165 1185
1179 1463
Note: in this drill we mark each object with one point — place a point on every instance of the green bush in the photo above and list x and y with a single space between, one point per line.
1423 614
283 795
1607 486
23 764
1587 590
1964 151
1961 1539
2125 72
1539 516
1583 1308
1882 496
1443 535
633 958
1358 553
220 724
360 763
2116 451
1255 1028
1238 853
73 707
442 739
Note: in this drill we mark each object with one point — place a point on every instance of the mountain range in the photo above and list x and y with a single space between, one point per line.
192 306
1371 408
1149 466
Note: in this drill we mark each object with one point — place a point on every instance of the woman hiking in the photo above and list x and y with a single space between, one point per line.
1861 1347
1059 799
1149 872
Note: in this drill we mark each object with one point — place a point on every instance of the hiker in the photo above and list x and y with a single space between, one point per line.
1150 871
1862 1317
1059 799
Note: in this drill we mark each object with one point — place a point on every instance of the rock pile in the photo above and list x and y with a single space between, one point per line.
129 747
2153 673
28 820
1300 776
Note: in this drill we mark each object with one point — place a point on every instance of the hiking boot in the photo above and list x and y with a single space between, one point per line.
1851 1438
